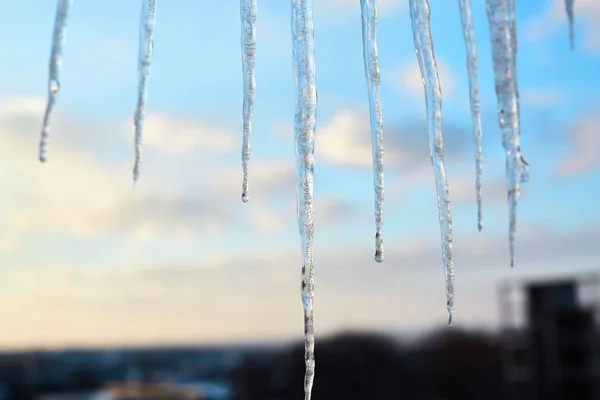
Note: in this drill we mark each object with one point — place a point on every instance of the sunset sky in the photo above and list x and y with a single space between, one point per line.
86 260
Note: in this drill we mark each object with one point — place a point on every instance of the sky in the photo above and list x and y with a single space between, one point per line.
86 260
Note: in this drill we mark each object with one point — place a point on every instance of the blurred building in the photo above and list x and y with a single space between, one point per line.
551 339
134 391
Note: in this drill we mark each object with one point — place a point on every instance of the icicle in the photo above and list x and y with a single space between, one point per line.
571 15
467 26
369 33
58 42
501 17
303 56
145 55
419 13
248 10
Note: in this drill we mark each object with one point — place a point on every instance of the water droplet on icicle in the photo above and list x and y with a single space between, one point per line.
146 48
369 34
420 15
248 10
303 56
58 43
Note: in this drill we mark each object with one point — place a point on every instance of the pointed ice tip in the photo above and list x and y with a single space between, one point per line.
512 262
378 256
450 321
43 158
480 227
245 197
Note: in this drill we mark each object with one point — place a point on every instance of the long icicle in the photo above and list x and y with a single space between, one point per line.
420 14
467 25
248 11
58 43
146 48
303 56
569 4
370 15
501 17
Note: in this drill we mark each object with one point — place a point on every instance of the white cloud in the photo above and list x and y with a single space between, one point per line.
180 134
411 81
85 191
346 140
152 303
584 152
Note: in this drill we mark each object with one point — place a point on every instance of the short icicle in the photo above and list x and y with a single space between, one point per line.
501 17
248 10
146 48
303 56
467 25
58 43
569 5
420 17
369 33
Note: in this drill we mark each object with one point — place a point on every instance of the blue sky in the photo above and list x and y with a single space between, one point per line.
86 260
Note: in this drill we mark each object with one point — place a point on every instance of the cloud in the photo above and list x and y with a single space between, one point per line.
178 134
345 140
84 190
255 295
584 153
410 79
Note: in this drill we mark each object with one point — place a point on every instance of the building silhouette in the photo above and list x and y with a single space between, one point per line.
550 339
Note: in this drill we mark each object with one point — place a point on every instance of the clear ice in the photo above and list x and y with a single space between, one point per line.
58 43
371 60
248 10
467 25
501 17
419 14
571 15
303 57
148 20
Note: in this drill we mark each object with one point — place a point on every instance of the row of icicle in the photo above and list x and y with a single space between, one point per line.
502 22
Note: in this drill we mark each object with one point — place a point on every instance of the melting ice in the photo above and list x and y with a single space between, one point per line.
501 17
145 55
419 14
369 34
303 57
469 35
248 10
58 42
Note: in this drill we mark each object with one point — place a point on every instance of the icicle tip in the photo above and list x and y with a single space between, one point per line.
450 320
245 197
378 256
378 247
136 175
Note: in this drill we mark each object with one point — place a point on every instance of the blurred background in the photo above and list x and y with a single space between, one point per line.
179 290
